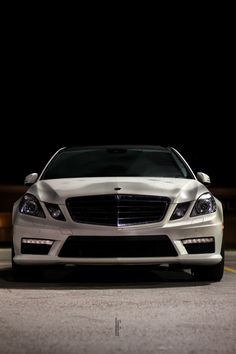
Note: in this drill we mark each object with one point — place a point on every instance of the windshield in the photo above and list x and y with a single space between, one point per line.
116 162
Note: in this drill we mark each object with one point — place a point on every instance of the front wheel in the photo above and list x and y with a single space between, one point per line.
25 273
210 273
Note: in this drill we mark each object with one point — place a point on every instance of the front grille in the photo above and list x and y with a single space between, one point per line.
117 209
117 246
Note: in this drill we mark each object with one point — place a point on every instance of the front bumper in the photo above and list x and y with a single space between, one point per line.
32 227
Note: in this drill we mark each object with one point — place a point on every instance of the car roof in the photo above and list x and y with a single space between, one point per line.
102 147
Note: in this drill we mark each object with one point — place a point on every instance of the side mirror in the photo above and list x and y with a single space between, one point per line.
203 178
30 179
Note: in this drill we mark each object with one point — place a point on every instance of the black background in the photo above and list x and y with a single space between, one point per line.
37 139
64 87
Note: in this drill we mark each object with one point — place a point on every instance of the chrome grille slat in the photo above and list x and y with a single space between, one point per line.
117 209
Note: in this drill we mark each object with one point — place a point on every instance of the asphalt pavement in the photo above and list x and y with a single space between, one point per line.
113 310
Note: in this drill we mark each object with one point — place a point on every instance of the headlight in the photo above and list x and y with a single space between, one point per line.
30 205
204 205
55 211
180 210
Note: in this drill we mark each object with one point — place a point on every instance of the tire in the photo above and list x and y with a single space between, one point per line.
25 273
210 273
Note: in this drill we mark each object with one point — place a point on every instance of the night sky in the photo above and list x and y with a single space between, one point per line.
37 140
175 94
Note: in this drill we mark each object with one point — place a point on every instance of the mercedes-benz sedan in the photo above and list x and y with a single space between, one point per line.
129 205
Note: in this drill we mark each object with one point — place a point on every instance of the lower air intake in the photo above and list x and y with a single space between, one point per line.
117 246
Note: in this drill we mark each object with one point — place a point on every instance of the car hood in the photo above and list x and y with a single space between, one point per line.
58 190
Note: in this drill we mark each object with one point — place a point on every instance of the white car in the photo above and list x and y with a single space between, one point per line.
131 205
